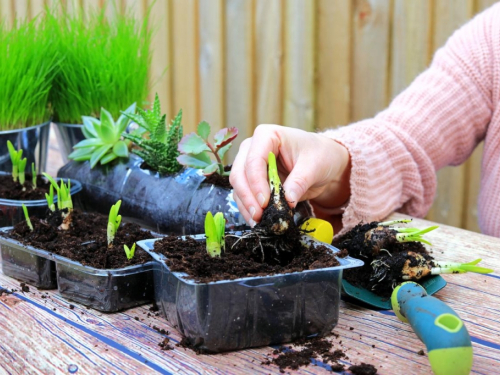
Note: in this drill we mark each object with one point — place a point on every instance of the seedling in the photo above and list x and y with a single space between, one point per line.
64 201
18 163
50 199
278 215
27 217
129 252
195 149
159 150
415 266
214 232
34 174
104 141
114 221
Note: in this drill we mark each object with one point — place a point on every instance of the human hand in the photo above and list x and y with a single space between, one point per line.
311 166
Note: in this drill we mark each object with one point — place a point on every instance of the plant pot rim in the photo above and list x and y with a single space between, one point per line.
76 187
68 125
346 262
12 131
68 262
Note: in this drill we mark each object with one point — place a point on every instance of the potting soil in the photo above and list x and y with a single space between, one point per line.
14 190
85 241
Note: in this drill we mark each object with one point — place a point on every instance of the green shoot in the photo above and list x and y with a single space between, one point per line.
22 167
274 178
214 232
450 267
34 173
27 217
15 157
393 222
63 193
129 252
114 221
413 236
50 199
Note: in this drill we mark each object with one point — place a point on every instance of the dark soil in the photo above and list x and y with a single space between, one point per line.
14 190
85 241
218 180
363 369
241 260
355 243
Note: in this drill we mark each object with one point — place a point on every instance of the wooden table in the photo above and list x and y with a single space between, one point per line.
41 333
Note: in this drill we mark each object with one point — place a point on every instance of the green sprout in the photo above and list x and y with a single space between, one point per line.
27 217
64 201
34 173
129 252
15 158
451 267
50 199
195 149
114 221
214 232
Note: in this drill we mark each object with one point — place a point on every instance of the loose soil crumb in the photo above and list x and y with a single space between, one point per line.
14 190
242 260
85 241
24 288
363 369
164 345
354 243
421 352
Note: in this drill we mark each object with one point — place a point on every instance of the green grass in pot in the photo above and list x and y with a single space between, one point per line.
28 63
106 63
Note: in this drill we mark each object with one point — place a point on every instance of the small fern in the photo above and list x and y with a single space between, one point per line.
159 149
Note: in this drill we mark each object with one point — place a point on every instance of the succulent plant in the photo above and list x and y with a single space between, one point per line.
157 140
104 138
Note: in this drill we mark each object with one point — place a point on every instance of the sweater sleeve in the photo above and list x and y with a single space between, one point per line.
437 121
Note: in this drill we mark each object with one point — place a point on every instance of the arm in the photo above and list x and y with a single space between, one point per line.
437 121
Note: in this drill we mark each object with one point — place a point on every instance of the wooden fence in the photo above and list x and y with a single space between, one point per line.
309 64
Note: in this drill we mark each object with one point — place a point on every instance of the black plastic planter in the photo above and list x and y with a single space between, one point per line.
166 204
252 311
11 211
28 264
107 290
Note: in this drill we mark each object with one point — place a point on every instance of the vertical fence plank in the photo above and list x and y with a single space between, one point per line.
211 63
299 95
333 63
36 7
161 64
7 14
483 4
22 9
450 204
185 61
371 26
269 61
239 80
411 42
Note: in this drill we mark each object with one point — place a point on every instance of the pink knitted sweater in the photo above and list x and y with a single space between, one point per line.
437 121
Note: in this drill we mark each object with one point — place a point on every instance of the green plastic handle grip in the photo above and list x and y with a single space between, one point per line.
438 326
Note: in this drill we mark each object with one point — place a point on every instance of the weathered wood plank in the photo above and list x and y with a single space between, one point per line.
334 28
269 61
370 78
185 73
7 13
299 83
239 67
411 42
161 65
211 62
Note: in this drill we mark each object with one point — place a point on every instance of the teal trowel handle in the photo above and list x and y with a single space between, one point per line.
438 326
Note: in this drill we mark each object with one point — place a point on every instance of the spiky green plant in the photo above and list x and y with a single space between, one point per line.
158 146
104 141
29 61
64 201
106 62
